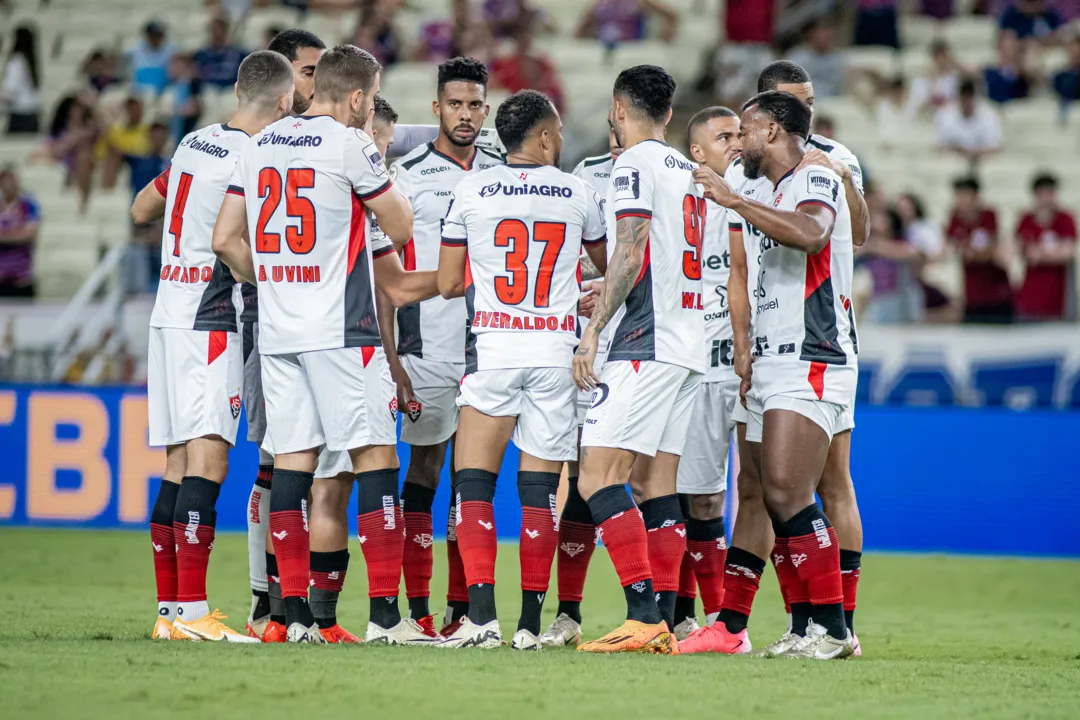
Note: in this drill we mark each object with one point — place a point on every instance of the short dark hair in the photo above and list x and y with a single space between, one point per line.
292 41
264 76
462 69
785 109
703 116
648 88
969 182
519 114
1044 180
344 69
826 120
781 72
384 111
967 87
158 125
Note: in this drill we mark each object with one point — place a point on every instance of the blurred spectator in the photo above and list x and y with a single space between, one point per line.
619 21
463 33
100 71
893 112
505 16
73 134
219 62
820 58
20 89
269 34
1009 79
1046 235
1031 20
127 137
20 219
825 126
894 267
149 60
973 230
940 86
376 32
876 24
937 9
527 68
925 236
142 263
969 126
1066 82
749 27
184 92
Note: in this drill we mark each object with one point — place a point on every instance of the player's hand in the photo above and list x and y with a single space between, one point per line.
403 382
584 376
744 387
715 188
587 303
744 368
819 158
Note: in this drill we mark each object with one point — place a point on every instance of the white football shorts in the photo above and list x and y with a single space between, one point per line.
826 415
431 417
585 397
542 399
703 469
642 406
193 385
342 398
254 404
750 416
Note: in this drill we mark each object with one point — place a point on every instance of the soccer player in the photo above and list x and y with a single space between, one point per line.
714 143
752 539
302 191
645 392
510 244
806 367
577 534
195 356
267 617
429 360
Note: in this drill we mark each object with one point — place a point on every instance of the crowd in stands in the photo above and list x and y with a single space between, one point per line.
1019 272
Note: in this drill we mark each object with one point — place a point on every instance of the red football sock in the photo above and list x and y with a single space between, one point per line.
628 545
687 581
792 587
477 542
709 557
539 536
193 533
289 530
419 557
667 540
850 568
378 525
742 578
577 541
163 541
814 552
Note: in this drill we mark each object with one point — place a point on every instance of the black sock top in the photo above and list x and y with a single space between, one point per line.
661 512
738 557
417 498
608 502
704 530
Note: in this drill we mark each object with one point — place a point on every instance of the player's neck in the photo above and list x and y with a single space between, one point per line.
524 157
785 160
250 123
462 154
640 132
338 111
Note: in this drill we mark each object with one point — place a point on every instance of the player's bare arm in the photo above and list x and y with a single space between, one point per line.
149 204
395 215
401 287
387 319
631 234
589 271
228 239
807 229
739 307
860 215
452 271
595 260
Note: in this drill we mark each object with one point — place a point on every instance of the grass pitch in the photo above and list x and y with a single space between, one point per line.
942 637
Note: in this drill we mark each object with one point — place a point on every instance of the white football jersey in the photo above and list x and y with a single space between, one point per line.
663 318
305 180
715 270
524 226
433 329
596 171
804 334
196 290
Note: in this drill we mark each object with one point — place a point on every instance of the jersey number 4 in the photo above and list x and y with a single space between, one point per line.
299 237
693 228
176 220
514 235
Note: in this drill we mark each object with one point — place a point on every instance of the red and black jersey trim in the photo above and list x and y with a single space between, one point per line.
386 250
235 190
594 241
633 212
820 203
471 358
734 227
161 182
374 193
361 322
455 242
821 338
635 337
216 310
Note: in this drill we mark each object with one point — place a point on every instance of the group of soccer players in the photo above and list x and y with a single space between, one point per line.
449 288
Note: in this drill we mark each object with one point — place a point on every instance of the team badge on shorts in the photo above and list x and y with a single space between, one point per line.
234 405
413 410
393 409
599 394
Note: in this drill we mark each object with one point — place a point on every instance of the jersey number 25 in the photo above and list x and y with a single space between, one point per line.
300 237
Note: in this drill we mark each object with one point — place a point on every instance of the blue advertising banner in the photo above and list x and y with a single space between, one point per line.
928 479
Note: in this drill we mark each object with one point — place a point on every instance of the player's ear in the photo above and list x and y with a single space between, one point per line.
774 130
435 108
697 155
668 118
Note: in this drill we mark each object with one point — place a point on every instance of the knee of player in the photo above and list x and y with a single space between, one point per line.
331 495
749 483
707 507
836 486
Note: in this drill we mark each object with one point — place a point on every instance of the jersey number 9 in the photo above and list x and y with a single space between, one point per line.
693 228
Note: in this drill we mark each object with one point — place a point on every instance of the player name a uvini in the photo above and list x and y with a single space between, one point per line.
506 321
290 273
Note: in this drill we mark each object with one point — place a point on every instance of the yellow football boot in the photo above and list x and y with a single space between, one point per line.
635 637
210 628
